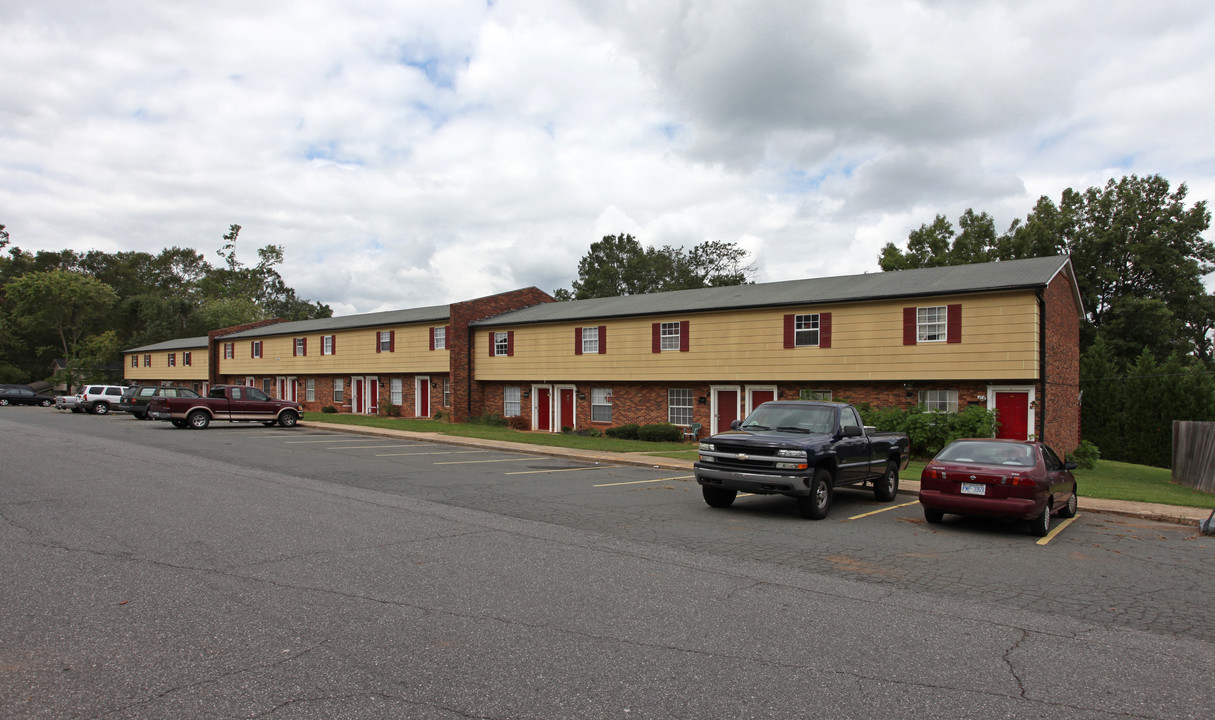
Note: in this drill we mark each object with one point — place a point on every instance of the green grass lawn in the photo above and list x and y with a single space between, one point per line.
1110 480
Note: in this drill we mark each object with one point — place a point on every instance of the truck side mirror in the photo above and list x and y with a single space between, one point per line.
735 424
851 431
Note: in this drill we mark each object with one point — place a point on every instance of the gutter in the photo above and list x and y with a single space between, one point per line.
1041 415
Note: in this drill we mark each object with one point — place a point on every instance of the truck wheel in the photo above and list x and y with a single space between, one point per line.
815 505
288 419
933 516
718 497
198 420
101 408
887 486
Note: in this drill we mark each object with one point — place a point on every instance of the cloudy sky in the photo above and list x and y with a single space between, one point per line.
413 153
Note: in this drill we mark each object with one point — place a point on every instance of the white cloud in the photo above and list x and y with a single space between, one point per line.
418 153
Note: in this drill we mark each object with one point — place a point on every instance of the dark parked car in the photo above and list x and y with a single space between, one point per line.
24 395
135 399
999 478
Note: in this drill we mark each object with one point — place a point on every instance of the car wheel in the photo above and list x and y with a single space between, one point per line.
142 416
1040 525
288 419
718 497
198 420
179 423
3 401
1069 510
101 408
816 505
45 403
887 486
933 516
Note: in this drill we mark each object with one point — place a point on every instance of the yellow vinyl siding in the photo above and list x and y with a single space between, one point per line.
999 340
197 371
355 354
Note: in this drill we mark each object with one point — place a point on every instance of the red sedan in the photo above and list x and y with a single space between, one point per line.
999 478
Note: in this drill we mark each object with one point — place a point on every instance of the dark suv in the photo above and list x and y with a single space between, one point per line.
135 399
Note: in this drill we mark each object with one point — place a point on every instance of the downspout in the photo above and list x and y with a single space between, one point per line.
1041 414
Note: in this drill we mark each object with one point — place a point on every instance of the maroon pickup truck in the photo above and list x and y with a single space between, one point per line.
233 403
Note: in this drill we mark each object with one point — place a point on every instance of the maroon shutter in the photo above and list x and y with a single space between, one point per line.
656 342
685 342
953 323
491 343
252 345
294 348
603 339
510 343
577 341
377 341
392 341
305 346
789 334
824 330
333 344
909 326
432 338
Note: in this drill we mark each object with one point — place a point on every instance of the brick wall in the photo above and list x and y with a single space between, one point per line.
1060 406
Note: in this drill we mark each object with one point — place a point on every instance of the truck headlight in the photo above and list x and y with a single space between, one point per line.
707 446
791 454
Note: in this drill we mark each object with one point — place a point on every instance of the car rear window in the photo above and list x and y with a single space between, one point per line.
989 453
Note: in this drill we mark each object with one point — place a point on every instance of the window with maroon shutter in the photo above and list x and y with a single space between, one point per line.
577 341
670 336
807 330
502 344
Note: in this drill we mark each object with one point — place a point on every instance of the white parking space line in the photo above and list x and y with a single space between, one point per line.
473 462
885 509
333 440
370 447
642 482
1058 529
432 452
557 470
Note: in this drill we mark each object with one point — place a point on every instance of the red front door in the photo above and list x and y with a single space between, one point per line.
423 409
759 397
567 407
1012 410
356 397
727 410
544 405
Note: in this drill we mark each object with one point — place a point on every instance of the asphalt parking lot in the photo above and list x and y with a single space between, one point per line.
1109 569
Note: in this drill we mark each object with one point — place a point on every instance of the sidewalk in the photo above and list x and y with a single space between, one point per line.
1176 514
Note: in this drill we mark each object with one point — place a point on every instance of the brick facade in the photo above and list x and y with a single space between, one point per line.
1060 398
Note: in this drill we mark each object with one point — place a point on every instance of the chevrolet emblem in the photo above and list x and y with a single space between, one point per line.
742 457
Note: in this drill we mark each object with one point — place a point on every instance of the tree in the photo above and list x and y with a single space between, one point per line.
71 305
619 265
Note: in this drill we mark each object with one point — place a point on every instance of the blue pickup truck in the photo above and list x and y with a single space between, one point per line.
802 449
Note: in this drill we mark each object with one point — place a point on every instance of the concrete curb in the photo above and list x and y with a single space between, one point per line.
1174 514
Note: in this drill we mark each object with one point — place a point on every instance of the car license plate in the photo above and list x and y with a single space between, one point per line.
974 489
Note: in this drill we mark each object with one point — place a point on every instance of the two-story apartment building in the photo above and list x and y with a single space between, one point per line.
1000 335
184 362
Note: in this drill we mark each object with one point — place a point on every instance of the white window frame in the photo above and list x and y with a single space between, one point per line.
446 392
172 361
396 391
939 400
187 359
590 340
440 337
601 405
257 350
676 411
512 401
299 346
229 351
932 324
385 341
339 390
270 388
501 344
327 344
147 361
806 329
668 334
310 390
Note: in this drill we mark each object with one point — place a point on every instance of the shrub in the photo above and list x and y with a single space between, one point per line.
518 422
329 409
492 419
590 432
439 415
931 431
623 432
391 410
659 432
1085 455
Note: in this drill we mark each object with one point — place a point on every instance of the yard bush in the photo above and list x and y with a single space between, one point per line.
518 422
659 432
329 409
931 431
1085 456
623 432
490 419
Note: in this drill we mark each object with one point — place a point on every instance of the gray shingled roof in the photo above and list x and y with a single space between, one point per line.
178 344
1009 274
434 313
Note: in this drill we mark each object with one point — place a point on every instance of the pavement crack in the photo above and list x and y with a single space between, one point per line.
1012 669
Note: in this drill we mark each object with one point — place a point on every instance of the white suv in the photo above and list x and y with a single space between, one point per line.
98 399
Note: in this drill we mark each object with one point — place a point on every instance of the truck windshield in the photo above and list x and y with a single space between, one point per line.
806 420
